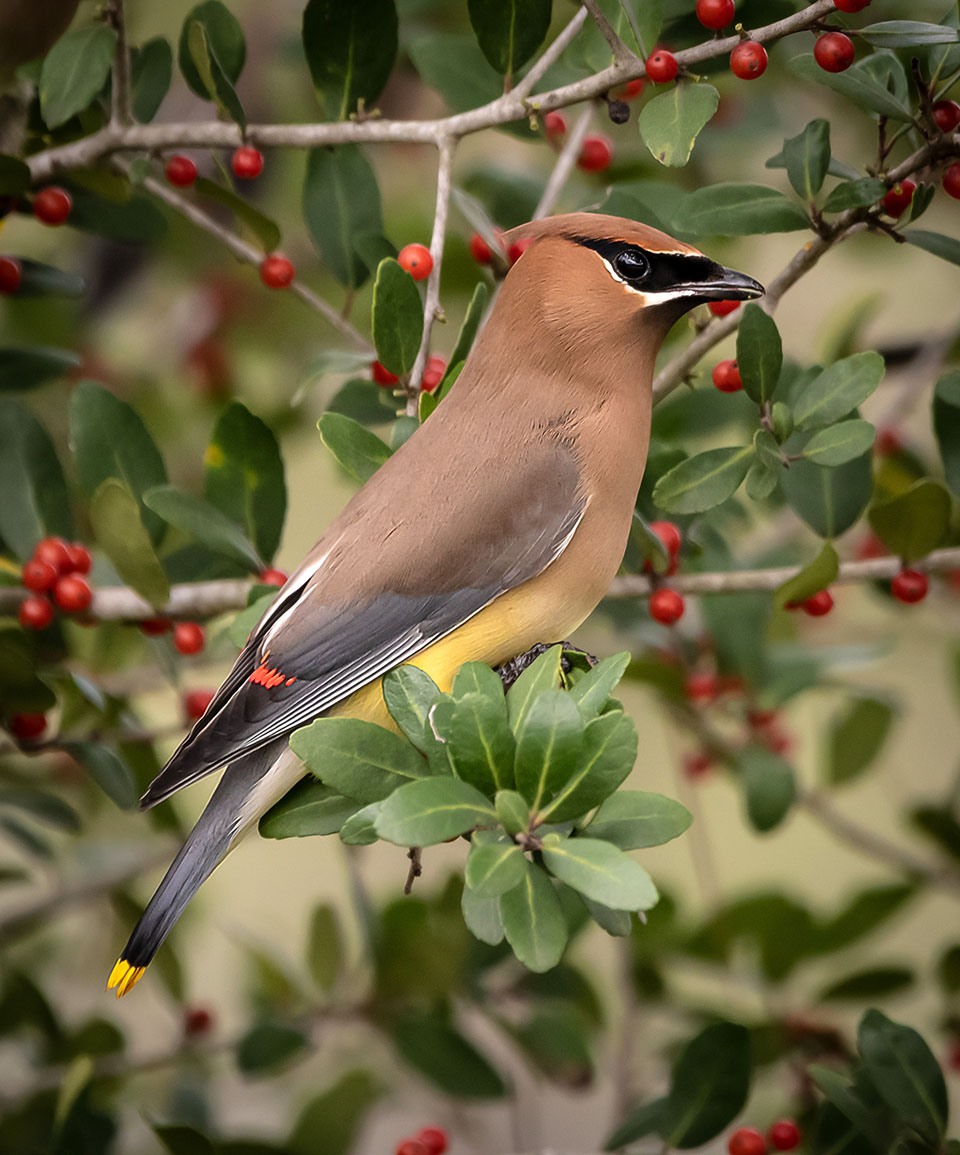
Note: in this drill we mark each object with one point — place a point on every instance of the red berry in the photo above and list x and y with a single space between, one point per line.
480 250
748 60
272 577
722 308
518 248
555 125
417 261
27 726
195 703
701 687
54 551
951 181
79 557
596 152
197 1021
953 1057
821 603
834 52
666 606
188 637
746 1141
669 535
247 163
761 719
412 1147
897 199
870 548
181 171
784 1135
433 373
276 271
35 613
52 206
633 88
947 115
851 5
695 765
38 576
73 594
715 14
382 376
435 1139
910 586
887 443
661 66
154 627
726 377
776 739
10 273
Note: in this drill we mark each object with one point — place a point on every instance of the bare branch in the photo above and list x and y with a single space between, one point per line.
621 53
565 164
529 82
120 113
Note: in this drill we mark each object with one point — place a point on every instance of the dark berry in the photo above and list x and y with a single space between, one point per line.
180 171
197 1021
154 627
188 637
947 115
276 271
10 274
26 727
247 163
951 182
416 260
748 60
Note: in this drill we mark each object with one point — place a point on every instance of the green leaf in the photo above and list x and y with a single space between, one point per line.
121 534
940 825
509 32
493 867
907 34
269 1047
309 808
132 218
807 158
341 201
151 70
709 1086
947 248
856 738
642 1121
635 819
456 68
224 39
107 769
856 84
27 368
324 950
838 444
906 1074
216 83
761 480
482 917
861 916
360 829
558 1045
45 808
397 317
842 1093
180 1139
837 390
109 439
512 811
946 425
759 354
15 178
359 759
854 194
948 970
769 787
609 752
592 692
74 71
409 694
542 674
914 523
480 743
465 338
35 499
360 452
40 280
549 741
350 51
266 231
600 871
869 984
828 499
811 579
432 810
732 210
533 920
203 521
330 1121
444 1056
703 481
243 477
670 123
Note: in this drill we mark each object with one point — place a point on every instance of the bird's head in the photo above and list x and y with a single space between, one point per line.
594 276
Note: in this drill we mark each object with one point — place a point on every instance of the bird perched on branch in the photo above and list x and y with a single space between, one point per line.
533 463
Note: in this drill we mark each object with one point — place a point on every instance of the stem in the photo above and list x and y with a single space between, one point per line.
120 113
621 53
565 164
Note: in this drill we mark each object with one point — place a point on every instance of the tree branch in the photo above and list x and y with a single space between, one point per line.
120 113
550 57
564 165
621 53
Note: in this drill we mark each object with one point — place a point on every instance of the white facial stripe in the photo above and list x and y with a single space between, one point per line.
650 298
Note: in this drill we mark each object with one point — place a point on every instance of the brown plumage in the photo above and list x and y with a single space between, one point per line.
531 466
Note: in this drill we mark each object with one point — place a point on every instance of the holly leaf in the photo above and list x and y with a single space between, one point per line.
533 920
432 810
74 71
350 50
670 123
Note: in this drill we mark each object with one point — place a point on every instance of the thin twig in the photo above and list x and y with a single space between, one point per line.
621 53
431 307
550 57
120 111
416 868
564 165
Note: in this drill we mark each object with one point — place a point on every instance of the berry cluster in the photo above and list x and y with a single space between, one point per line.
666 605
784 1135
703 689
427 1141
55 571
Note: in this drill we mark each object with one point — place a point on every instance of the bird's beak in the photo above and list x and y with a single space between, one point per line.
722 284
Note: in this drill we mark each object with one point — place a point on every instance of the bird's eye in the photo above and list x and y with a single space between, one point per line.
631 264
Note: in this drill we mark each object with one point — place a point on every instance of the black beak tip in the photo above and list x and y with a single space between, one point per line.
733 286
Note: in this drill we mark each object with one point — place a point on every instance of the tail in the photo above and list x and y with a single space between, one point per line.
248 788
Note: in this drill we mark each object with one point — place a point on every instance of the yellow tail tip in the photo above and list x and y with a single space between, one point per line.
124 977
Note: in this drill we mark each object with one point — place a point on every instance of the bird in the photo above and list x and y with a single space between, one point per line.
533 462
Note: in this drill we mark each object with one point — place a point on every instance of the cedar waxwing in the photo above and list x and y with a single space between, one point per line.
533 463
